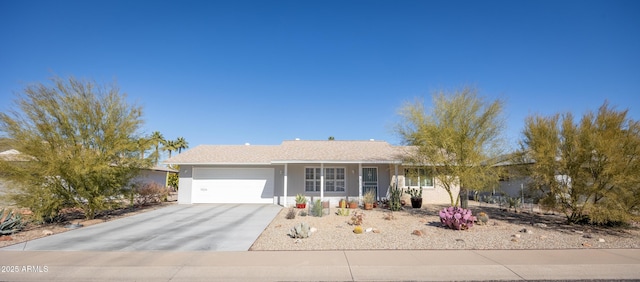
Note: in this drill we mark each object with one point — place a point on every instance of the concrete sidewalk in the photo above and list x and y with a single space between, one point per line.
431 265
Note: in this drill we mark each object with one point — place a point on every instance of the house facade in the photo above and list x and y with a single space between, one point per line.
326 170
155 174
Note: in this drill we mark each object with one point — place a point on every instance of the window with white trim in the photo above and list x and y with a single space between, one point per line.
417 177
334 179
312 179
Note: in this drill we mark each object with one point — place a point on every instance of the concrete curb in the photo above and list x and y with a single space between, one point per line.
389 265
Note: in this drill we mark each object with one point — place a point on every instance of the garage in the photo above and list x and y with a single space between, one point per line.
233 185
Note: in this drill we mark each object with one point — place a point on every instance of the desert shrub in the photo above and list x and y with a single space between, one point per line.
607 214
150 193
291 213
357 218
457 218
10 222
303 213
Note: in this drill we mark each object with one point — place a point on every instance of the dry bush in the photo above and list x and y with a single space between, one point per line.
150 193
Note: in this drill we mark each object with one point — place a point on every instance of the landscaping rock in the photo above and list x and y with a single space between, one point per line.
540 225
5 238
588 236
368 230
516 235
417 233
47 232
524 230
601 240
587 245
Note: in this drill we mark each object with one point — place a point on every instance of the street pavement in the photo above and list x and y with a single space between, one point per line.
386 265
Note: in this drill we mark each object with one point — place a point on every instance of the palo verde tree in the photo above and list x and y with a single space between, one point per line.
455 140
79 145
590 169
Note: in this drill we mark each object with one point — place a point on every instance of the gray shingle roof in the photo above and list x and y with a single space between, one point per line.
293 151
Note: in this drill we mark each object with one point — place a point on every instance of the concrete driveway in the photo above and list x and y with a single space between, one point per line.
203 227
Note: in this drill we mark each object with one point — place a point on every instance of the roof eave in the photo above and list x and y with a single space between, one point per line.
337 161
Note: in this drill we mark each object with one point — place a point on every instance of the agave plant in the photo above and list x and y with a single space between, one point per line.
10 223
457 218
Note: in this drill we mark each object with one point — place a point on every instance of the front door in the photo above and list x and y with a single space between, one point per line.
370 180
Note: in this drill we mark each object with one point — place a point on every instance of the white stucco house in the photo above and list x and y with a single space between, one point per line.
327 170
155 174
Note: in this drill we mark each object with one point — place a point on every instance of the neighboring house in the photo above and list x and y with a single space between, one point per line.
327 170
8 155
512 182
157 174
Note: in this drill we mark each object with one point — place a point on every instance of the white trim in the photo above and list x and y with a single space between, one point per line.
359 178
286 181
335 162
321 182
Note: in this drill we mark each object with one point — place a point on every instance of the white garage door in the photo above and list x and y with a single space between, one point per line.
232 185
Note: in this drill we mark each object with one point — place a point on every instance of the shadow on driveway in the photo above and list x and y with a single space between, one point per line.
200 227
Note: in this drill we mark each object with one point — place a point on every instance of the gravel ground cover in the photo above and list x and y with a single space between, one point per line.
412 229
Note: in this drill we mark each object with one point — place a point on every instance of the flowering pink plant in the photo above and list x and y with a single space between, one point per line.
457 218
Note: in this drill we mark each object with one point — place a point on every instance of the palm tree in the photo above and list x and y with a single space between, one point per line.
144 143
181 143
169 146
156 139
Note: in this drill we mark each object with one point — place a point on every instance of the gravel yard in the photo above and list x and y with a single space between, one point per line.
421 229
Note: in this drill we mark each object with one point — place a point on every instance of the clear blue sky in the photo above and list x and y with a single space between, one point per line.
230 72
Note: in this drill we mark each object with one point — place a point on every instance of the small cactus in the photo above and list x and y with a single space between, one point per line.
358 229
301 230
482 218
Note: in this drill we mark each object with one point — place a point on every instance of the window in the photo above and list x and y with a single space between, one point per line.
417 177
312 179
334 179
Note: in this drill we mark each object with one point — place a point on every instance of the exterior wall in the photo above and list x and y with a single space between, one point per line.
186 180
430 195
513 187
148 176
